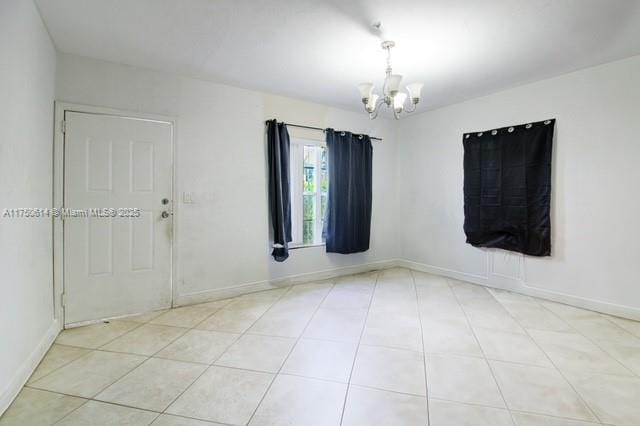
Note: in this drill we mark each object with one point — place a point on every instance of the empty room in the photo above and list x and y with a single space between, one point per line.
320 212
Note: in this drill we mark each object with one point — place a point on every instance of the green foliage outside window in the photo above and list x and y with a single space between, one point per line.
308 207
307 231
315 179
309 179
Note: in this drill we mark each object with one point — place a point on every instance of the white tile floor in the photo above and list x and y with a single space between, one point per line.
390 348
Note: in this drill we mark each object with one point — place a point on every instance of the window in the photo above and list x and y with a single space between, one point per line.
309 186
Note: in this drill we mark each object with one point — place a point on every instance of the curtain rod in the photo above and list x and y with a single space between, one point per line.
321 129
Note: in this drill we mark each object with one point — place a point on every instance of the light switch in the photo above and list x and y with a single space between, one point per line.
188 198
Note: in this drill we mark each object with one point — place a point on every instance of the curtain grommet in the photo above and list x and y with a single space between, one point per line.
466 136
494 132
510 129
528 126
342 133
547 122
480 134
360 137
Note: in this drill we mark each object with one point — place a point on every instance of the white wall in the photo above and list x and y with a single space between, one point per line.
27 75
223 239
595 202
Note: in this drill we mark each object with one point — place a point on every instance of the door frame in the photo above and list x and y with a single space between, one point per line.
58 195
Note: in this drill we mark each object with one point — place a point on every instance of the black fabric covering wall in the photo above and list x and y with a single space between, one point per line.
279 194
348 221
507 188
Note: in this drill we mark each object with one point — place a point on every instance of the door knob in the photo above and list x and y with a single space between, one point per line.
164 214
165 201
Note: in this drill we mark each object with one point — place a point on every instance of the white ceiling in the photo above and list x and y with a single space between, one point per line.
321 49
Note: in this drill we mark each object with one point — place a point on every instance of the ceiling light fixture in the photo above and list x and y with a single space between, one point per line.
391 96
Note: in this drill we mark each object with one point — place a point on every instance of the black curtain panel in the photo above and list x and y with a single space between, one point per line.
279 194
507 188
348 215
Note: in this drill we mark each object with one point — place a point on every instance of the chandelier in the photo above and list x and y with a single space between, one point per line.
391 96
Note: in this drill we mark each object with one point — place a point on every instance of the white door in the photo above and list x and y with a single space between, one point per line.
116 262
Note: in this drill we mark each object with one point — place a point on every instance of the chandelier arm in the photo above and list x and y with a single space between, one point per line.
376 109
408 111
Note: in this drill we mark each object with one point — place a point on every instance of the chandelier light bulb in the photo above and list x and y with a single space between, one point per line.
371 104
365 90
414 90
398 101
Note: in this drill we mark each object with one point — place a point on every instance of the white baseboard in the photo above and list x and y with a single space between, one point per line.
449 273
515 286
237 290
11 390
528 290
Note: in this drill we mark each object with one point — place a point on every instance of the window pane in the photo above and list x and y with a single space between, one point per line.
323 206
324 176
307 231
309 207
309 179
323 210
309 169
309 210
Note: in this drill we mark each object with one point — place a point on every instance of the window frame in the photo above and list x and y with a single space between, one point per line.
296 170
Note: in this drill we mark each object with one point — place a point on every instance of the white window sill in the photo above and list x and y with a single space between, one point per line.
300 246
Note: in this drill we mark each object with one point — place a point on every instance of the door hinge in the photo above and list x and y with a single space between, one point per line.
63 126
63 299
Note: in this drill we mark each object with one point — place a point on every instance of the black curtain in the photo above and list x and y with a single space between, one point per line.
279 194
348 221
507 188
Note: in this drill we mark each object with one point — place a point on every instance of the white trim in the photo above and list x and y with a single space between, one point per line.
449 273
297 246
297 192
119 317
510 285
26 369
237 290
521 287
58 192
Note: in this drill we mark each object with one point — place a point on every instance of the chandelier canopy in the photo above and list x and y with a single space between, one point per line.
391 96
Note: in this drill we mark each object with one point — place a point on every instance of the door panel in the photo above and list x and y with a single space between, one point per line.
115 263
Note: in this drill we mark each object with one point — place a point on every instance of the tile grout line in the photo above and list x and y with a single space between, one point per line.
148 357
93 349
424 353
223 308
355 355
275 375
158 414
368 387
595 342
93 397
348 384
573 330
466 316
72 411
553 364
223 352
27 384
